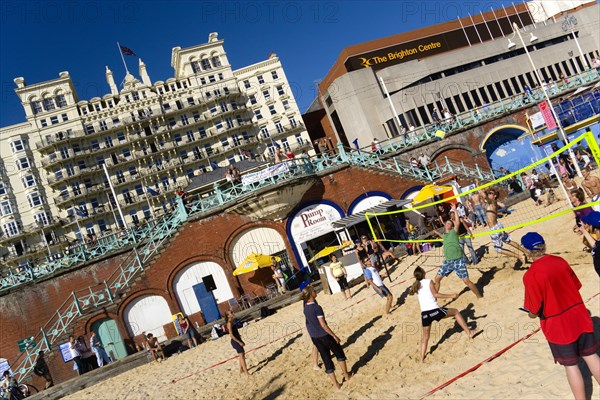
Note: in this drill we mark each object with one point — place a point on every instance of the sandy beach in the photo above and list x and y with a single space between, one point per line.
383 352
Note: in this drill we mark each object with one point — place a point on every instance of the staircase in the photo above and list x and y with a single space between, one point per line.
107 293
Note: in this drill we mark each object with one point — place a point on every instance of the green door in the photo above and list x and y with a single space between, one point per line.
109 334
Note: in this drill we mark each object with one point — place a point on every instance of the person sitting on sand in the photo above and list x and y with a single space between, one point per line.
551 198
155 348
552 295
430 310
322 336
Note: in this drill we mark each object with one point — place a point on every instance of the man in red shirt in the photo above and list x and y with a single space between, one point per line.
552 294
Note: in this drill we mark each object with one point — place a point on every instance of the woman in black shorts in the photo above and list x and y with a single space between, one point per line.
322 336
339 273
430 310
236 341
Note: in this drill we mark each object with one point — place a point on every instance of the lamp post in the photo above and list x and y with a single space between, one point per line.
561 131
387 94
568 24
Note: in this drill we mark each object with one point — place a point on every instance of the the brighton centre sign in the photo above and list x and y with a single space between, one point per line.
435 44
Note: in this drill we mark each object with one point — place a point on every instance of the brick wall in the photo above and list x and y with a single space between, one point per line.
24 311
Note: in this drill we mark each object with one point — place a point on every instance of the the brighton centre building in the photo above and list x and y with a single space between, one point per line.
465 77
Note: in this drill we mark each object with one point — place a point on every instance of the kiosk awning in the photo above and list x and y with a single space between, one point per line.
360 216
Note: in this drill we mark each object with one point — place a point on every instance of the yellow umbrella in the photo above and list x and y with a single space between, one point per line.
330 249
429 191
253 262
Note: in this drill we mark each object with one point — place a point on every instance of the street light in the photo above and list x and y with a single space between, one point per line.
562 134
568 24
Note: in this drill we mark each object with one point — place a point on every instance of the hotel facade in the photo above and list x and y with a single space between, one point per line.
152 137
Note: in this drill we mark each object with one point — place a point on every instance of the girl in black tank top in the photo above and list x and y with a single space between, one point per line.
236 341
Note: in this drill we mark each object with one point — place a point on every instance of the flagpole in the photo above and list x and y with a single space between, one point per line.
463 29
498 22
474 26
486 25
518 15
112 189
124 64
112 209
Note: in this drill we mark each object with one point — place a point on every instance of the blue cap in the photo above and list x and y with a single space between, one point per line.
592 218
304 284
532 241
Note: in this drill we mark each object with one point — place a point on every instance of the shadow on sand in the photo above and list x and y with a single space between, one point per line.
357 333
377 344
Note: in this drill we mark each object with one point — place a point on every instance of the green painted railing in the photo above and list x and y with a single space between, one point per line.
107 292
151 238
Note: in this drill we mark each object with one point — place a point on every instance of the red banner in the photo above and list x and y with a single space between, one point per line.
547 115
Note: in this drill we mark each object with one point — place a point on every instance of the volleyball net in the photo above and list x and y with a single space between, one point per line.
549 199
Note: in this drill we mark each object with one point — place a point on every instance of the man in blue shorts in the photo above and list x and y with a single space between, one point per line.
372 277
454 257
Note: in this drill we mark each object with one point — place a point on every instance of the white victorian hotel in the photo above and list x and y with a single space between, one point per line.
152 138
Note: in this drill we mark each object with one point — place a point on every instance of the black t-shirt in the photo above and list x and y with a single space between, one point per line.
462 231
596 256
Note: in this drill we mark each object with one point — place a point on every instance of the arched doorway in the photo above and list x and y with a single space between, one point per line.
108 332
510 147
147 314
260 240
192 275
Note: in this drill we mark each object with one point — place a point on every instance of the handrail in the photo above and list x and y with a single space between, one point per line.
103 293
392 145
109 291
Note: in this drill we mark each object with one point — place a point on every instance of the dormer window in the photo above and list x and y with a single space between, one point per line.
61 101
196 67
36 107
49 104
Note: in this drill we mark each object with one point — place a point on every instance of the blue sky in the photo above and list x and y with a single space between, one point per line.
39 39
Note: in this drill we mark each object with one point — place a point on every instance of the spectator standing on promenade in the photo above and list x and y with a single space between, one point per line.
98 349
40 368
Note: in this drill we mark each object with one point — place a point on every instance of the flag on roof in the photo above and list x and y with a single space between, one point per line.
81 211
126 51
